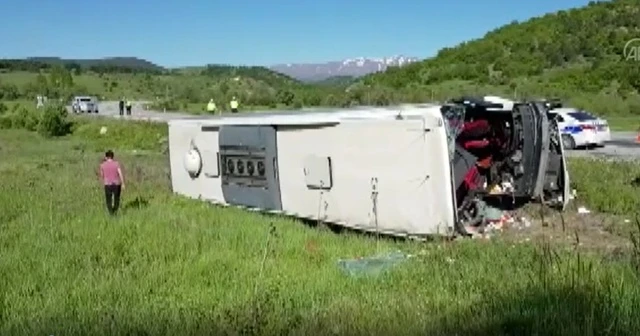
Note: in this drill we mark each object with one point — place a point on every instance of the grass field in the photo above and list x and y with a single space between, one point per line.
626 123
172 266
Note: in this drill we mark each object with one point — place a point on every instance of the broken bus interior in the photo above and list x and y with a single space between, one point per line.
504 152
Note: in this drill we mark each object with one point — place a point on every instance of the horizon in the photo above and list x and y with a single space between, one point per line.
107 58
255 34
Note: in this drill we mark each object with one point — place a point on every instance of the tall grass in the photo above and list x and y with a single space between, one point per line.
172 266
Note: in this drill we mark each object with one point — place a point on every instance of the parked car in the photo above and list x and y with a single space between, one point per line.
84 104
580 128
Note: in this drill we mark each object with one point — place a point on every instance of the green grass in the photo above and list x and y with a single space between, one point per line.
623 123
173 266
607 186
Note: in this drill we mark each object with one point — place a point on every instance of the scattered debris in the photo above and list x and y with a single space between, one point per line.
583 211
371 266
103 130
525 222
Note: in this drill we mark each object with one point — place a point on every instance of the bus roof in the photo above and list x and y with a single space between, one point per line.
315 116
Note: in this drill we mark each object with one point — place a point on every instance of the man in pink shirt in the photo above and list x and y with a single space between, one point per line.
113 180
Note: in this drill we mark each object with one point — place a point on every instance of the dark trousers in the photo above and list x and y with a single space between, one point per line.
234 110
128 110
112 197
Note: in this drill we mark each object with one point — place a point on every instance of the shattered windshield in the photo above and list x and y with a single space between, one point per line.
454 121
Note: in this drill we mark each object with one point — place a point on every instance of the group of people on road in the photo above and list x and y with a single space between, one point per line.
212 108
124 104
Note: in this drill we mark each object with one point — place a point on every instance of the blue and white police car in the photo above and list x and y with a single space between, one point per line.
580 128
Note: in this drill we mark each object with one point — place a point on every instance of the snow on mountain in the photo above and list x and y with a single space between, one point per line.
353 67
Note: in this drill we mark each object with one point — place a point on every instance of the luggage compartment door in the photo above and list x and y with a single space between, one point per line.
249 166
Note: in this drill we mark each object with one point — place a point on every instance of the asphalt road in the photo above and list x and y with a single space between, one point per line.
621 146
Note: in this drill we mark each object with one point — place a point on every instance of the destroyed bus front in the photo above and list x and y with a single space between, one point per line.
503 153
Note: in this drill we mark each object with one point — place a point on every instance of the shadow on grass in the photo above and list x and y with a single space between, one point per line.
554 311
558 311
137 203
563 296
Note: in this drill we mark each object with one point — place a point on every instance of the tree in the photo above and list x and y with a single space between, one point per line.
286 97
53 121
60 78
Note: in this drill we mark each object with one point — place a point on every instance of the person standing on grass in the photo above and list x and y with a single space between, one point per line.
121 106
113 180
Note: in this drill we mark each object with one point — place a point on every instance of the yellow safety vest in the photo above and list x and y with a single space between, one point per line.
211 107
128 103
234 104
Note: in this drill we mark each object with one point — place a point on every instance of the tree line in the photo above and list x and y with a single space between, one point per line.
77 67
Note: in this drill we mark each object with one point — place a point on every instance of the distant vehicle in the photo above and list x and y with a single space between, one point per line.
84 104
580 128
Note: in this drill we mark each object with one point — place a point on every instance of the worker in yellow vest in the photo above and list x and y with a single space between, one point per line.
234 105
211 107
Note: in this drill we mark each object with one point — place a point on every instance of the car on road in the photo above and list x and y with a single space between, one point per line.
580 128
84 104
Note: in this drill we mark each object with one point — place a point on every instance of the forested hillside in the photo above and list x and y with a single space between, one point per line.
575 54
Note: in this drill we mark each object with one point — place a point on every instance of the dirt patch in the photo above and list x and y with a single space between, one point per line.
571 229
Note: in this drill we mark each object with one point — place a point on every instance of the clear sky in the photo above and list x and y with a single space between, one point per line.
257 32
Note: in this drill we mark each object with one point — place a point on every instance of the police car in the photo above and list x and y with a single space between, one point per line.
580 128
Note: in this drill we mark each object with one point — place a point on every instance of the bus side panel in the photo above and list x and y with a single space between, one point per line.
390 176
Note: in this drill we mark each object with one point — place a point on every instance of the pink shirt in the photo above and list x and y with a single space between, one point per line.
109 171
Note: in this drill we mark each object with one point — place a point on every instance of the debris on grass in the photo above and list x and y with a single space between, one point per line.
583 211
371 266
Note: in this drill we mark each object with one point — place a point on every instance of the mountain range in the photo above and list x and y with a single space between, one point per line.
353 67
308 72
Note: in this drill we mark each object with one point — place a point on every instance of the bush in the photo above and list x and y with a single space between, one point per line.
20 117
53 121
166 104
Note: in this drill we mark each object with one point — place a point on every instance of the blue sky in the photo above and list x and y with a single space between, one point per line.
196 32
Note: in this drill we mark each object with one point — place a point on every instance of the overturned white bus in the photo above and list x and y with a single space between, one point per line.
410 170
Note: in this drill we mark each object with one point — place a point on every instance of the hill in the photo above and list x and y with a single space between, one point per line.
576 54
113 64
186 89
336 81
